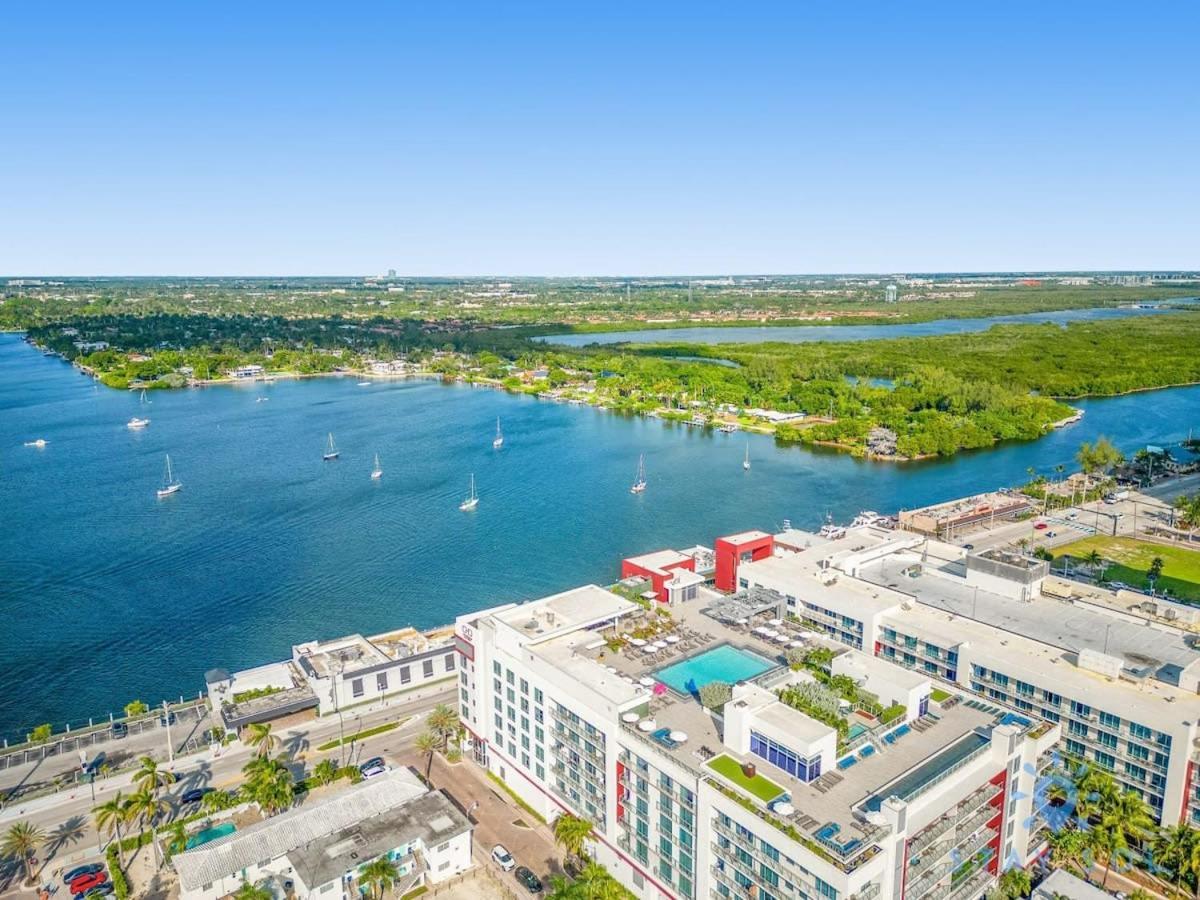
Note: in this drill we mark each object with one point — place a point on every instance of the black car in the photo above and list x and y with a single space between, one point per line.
168 719
82 870
100 890
119 730
373 763
195 795
528 880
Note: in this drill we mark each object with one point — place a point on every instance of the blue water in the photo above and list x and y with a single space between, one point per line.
210 834
805 334
724 663
907 785
108 594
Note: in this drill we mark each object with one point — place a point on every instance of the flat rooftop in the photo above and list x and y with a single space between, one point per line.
743 537
561 613
801 577
659 560
795 539
345 654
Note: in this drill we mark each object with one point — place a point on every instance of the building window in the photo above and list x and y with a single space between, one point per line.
381 681
427 667
356 687
405 674
449 662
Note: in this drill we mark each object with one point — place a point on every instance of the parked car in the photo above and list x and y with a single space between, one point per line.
1040 526
528 880
502 858
968 546
372 771
195 795
80 871
100 890
1072 515
373 762
1051 534
85 883
168 719
93 765
119 730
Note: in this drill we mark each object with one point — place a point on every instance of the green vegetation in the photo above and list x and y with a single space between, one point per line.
816 701
378 875
572 833
1131 561
360 735
516 799
255 693
21 840
260 736
760 786
939 696
269 784
892 713
40 734
135 708
592 883
116 872
715 695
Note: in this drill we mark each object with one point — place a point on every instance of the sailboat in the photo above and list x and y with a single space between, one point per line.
171 485
332 452
377 472
746 461
498 440
472 498
640 484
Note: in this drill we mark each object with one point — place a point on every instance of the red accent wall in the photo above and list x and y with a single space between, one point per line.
729 554
658 577
997 821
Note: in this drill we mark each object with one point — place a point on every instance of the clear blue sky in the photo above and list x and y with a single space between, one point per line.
570 138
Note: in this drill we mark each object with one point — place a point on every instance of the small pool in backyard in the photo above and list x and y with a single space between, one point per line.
210 834
725 663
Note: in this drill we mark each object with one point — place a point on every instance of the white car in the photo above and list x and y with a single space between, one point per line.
503 858
377 769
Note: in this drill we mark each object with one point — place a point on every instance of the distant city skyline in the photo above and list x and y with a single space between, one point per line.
602 140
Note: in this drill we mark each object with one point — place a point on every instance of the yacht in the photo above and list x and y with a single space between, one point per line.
135 423
472 498
39 443
170 484
377 472
332 451
640 484
498 440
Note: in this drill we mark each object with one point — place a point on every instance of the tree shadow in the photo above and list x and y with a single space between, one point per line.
67 834
294 744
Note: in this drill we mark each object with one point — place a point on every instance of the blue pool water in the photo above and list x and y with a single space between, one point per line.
726 663
856 730
210 834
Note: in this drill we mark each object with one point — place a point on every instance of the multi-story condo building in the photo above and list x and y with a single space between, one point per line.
850 781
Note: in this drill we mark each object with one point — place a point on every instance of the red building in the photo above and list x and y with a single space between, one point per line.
735 549
658 567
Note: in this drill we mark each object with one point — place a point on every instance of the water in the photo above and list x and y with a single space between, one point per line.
806 334
108 594
725 663
208 835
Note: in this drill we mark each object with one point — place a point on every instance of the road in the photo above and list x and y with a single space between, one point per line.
66 819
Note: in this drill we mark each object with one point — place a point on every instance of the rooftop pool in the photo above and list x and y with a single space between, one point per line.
725 663
907 786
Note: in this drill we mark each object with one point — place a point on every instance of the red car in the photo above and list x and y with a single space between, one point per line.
87 882
1040 526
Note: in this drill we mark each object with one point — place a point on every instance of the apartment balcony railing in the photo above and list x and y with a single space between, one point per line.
972 886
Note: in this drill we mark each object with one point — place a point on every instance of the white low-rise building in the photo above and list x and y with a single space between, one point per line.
316 852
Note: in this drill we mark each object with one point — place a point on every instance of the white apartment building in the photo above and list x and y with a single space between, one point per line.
1120 680
316 852
762 799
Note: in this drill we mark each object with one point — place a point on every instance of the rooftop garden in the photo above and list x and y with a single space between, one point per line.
821 699
760 786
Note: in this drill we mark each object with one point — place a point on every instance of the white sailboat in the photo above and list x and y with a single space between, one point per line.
498 440
472 498
746 461
332 452
640 484
171 484
377 472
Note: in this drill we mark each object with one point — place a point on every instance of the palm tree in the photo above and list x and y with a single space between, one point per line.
145 806
571 832
1173 851
1068 849
259 736
1096 561
443 722
150 777
177 842
22 840
324 772
427 744
109 816
215 802
1124 818
595 883
269 783
1015 883
380 874
250 891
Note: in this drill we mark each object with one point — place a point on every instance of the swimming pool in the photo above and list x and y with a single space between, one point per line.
855 730
210 834
907 786
725 663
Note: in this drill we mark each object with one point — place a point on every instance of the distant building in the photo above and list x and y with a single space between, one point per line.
251 371
891 293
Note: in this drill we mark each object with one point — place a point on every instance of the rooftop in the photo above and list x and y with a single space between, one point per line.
795 539
659 560
744 537
346 654
395 804
578 608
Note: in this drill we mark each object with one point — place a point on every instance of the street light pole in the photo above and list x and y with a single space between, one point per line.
337 705
167 723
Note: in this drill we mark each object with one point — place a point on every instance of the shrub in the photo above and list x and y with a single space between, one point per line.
136 708
40 734
715 694
892 713
120 884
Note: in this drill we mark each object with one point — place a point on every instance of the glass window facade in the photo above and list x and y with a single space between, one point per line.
788 760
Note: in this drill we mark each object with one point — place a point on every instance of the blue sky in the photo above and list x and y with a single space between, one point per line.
448 138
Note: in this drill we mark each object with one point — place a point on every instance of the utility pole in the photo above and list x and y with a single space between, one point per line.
167 723
337 705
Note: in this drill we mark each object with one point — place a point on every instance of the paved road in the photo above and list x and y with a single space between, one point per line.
66 819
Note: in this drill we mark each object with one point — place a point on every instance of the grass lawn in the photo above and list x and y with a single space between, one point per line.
938 695
1128 559
761 787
